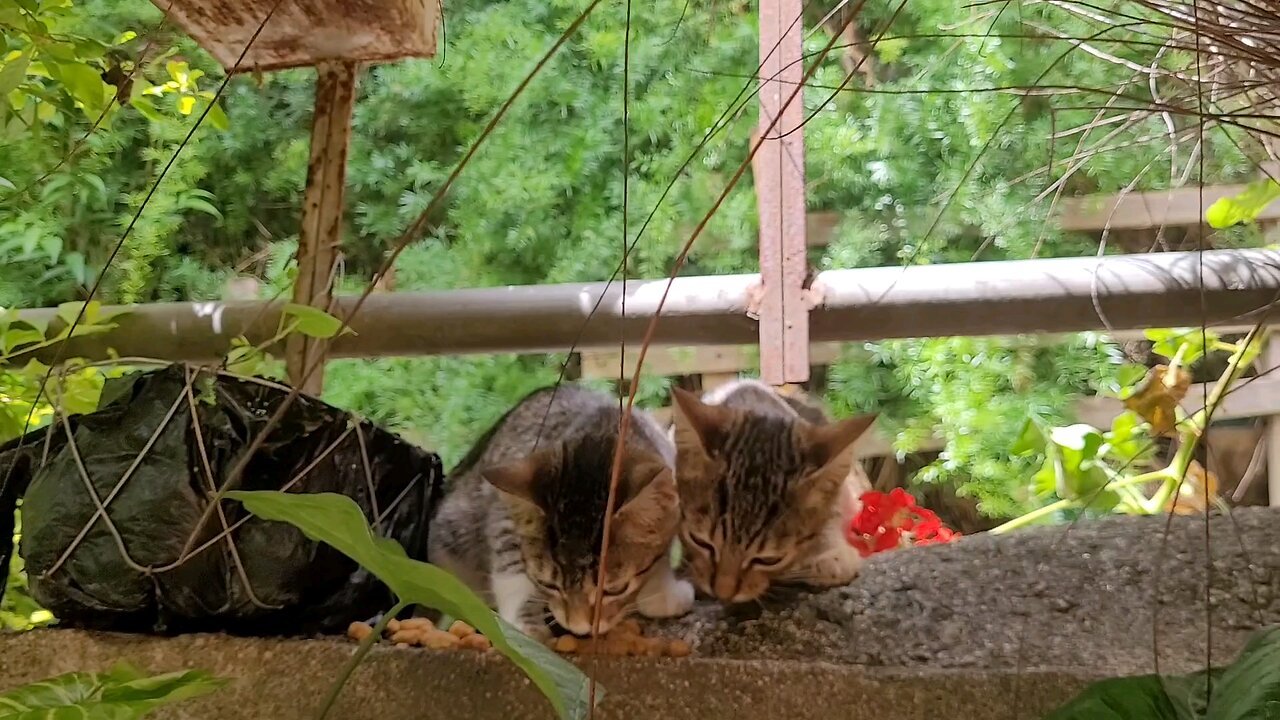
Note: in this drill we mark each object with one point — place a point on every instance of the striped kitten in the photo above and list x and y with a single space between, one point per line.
523 519
764 492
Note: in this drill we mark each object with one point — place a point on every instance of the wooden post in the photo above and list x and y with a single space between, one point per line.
778 169
322 207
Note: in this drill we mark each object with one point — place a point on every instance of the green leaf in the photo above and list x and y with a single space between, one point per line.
1030 441
337 520
314 322
1131 698
1127 441
121 693
68 312
84 84
147 109
6 184
1249 689
218 117
200 205
1244 207
1077 471
13 73
16 337
1167 341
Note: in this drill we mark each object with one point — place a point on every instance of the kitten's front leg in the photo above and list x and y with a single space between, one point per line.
832 560
516 599
835 562
663 595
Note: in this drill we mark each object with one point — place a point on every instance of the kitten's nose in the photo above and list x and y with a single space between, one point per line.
726 586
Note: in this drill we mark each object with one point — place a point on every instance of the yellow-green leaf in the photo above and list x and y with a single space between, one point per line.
186 103
13 72
337 520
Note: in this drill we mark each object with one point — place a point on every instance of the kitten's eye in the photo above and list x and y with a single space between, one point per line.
764 562
552 587
617 591
701 544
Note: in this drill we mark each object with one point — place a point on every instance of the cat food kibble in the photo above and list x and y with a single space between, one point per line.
475 641
421 632
625 640
461 630
358 631
438 640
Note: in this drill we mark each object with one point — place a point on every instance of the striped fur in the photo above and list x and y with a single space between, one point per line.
523 518
765 490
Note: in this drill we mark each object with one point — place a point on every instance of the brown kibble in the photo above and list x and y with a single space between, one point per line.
358 631
417 623
460 629
679 648
410 636
475 641
393 625
627 627
402 645
440 640
566 644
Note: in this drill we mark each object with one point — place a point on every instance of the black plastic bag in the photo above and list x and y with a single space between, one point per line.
142 453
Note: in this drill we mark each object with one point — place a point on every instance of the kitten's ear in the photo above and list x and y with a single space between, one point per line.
649 519
518 478
697 424
828 443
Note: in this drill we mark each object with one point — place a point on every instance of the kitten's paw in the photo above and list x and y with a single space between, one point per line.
537 630
675 599
832 569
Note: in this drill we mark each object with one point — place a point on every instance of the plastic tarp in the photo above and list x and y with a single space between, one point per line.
163 559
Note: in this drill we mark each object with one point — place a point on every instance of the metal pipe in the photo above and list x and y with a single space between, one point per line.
988 298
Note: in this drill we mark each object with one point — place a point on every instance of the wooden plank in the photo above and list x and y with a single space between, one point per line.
307 32
1249 398
1271 433
669 361
322 207
874 444
1093 213
778 170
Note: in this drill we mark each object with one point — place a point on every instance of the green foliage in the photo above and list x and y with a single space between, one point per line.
1084 469
1248 689
338 521
17 610
1244 207
975 393
919 177
121 693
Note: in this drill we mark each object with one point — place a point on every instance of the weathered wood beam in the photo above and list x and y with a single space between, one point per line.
1094 213
993 298
322 208
778 174
307 32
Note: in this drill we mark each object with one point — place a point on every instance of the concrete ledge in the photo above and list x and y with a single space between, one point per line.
286 680
986 629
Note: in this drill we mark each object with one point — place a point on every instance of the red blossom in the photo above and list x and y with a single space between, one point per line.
888 521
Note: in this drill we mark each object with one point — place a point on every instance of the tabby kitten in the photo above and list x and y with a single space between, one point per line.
765 494
523 518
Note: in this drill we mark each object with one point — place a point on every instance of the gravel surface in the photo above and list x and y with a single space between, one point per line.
1038 598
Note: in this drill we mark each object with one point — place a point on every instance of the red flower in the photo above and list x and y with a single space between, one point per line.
888 521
